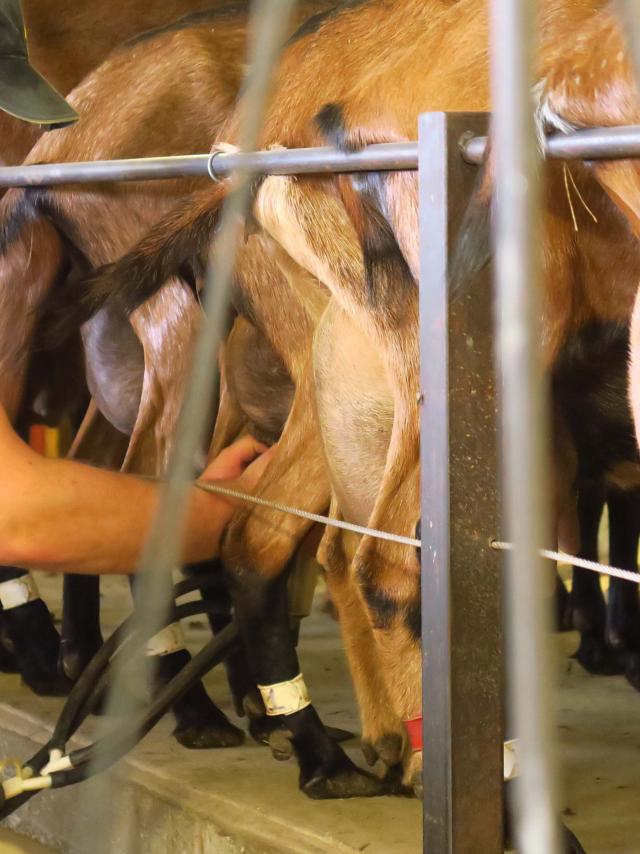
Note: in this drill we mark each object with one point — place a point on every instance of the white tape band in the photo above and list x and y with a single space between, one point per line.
285 698
18 592
169 640
511 760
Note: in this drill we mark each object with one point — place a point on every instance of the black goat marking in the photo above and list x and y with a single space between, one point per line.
388 278
330 122
589 384
387 275
413 620
191 21
383 608
315 22
32 204
23 212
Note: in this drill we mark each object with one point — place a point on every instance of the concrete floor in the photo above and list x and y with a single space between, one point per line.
14 843
167 799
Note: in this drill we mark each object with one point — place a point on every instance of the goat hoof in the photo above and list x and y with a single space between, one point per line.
281 744
563 610
8 662
388 748
632 669
73 658
260 726
210 735
570 842
56 686
417 784
598 658
348 783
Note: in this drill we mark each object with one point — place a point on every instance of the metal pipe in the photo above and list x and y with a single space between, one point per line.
615 143
594 144
375 158
524 422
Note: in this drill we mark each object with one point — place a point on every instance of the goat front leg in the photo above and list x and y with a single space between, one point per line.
165 326
33 255
257 549
588 607
99 443
389 579
623 627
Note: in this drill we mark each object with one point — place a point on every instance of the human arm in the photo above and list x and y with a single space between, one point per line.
64 516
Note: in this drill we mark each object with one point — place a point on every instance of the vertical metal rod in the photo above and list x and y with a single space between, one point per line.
524 415
462 661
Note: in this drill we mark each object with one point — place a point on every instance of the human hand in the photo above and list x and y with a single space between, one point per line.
243 462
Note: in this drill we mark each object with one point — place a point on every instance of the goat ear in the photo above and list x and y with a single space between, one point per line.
621 182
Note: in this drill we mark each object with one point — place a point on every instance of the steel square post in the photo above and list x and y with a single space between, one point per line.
461 584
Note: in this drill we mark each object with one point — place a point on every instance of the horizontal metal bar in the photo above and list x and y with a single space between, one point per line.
615 143
597 143
374 158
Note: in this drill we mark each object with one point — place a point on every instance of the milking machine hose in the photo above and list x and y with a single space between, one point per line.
90 685
98 757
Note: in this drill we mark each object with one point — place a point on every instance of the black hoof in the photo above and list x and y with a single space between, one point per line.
632 669
209 736
57 686
200 724
563 611
388 748
280 743
74 657
417 785
36 644
261 726
8 662
598 658
348 783
571 844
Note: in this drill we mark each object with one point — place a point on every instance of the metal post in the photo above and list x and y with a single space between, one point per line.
461 598
524 416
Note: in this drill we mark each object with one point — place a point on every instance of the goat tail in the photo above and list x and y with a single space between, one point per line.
175 246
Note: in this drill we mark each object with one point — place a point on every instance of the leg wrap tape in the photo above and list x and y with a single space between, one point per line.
285 698
169 640
18 592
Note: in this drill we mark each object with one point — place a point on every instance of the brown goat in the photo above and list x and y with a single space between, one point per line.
69 38
66 40
137 380
347 232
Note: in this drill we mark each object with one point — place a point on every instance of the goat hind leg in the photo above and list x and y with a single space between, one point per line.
257 549
383 735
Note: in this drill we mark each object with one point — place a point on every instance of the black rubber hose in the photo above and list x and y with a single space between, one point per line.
76 706
115 746
101 686
83 695
99 756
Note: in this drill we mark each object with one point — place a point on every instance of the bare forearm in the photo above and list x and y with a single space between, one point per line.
64 516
